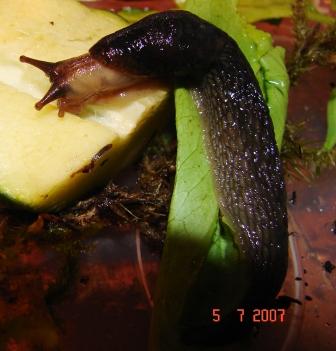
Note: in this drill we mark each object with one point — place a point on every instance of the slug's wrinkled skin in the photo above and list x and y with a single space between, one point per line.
180 47
247 169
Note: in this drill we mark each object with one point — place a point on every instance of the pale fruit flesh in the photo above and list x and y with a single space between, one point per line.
47 161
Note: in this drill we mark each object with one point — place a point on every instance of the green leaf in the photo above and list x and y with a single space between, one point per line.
330 141
314 15
276 87
257 10
193 218
221 283
132 15
333 4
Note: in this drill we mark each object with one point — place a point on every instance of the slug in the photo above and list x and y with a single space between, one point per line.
180 48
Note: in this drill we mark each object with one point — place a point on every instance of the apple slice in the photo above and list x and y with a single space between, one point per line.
47 161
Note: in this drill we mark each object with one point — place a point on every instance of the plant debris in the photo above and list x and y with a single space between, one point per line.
303 159
315 44
145 204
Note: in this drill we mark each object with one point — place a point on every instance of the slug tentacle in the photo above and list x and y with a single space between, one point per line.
46 67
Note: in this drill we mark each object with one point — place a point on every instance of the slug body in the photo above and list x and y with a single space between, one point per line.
179 47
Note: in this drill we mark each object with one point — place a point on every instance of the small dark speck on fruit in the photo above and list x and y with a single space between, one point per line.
298 278
328 324
52 23
328 266
308 298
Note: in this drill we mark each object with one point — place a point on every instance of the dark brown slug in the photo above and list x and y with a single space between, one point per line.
179 47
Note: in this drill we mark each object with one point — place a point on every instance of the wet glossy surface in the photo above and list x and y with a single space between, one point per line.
247 169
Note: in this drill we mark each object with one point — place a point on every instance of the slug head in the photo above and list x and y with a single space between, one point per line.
78 80
60 74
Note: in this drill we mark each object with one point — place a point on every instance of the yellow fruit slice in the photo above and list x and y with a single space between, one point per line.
46 161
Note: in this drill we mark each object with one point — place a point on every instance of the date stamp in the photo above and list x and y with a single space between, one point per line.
263 315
